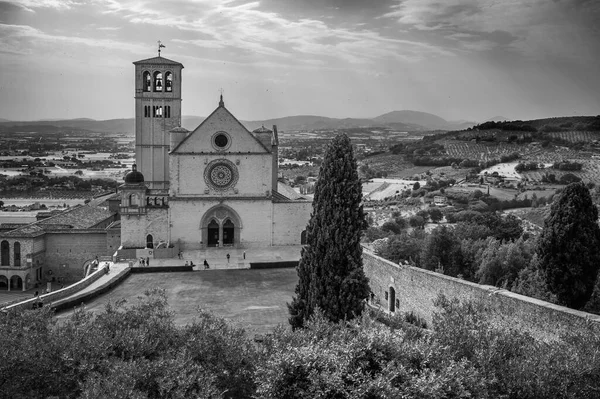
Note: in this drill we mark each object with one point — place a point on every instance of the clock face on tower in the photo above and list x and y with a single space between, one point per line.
221 174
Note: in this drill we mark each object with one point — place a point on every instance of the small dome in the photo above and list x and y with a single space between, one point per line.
262 129
134 176
179 129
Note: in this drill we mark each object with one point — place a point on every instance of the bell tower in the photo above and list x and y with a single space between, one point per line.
157 111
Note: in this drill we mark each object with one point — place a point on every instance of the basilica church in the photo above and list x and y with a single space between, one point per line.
214 186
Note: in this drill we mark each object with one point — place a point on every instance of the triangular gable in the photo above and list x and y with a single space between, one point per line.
200 139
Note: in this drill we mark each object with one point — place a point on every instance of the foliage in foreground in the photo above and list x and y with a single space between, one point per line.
138 352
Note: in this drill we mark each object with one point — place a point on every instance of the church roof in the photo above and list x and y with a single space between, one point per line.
158 60
285 193
79 217
207 119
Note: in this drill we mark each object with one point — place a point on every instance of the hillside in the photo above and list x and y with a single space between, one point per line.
397 120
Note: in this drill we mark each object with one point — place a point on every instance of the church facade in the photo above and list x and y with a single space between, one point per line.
214 186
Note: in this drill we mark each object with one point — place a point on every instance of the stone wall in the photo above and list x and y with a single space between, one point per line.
416 289
290 219
134 229
67 252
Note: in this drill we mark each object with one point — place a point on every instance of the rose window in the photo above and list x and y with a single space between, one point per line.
221 174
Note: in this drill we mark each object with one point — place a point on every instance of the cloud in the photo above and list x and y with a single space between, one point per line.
24 39
252 32
30 5
532 28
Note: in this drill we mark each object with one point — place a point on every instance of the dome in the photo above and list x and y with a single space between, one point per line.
262 129
134 176
179 129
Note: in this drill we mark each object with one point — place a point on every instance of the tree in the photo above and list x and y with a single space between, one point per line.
416 186
330 271
435 214
568 247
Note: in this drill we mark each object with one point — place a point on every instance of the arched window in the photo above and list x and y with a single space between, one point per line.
4 254
147 81
158 81
17 250
158 111
168 81
149 241
133 200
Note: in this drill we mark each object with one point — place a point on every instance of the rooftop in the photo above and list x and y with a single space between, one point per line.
79 217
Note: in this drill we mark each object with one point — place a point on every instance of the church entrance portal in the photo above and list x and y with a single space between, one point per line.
220 227
213 234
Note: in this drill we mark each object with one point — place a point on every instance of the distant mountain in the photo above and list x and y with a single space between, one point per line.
397 120
425 120
498 119
4 120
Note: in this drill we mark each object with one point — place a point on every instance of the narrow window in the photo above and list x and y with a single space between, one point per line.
145 111
158 81
17 253
5 251
158 111
167 111
149 241
168 81
147 82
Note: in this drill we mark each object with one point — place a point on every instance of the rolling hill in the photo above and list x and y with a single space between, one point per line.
399 120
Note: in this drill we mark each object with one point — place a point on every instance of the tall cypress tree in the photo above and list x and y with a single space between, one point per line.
569 247
330 272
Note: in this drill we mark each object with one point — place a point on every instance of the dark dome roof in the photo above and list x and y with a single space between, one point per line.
179 129
262 129
134 176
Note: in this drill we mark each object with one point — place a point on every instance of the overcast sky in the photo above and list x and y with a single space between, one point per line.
459 59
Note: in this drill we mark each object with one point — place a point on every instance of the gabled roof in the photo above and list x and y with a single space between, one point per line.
285 191
208 119
79 217
158 60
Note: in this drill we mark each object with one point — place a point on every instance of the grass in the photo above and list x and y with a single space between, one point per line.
253 299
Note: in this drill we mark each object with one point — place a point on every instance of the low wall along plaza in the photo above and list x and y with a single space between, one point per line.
415 290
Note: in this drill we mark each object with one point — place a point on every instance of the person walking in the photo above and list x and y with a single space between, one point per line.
147 261
206 266
228 256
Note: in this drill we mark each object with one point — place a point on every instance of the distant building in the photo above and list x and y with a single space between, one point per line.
440 200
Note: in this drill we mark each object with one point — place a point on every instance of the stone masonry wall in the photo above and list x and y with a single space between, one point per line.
290 219
416 289
67 253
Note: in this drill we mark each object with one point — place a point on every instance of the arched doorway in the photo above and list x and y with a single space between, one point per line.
220 226
16 283
213 234
3 283
149 241
392 299
228 232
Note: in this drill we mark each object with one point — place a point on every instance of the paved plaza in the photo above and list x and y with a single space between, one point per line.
253 299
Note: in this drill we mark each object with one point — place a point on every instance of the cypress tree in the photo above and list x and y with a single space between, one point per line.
330 271
569 247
